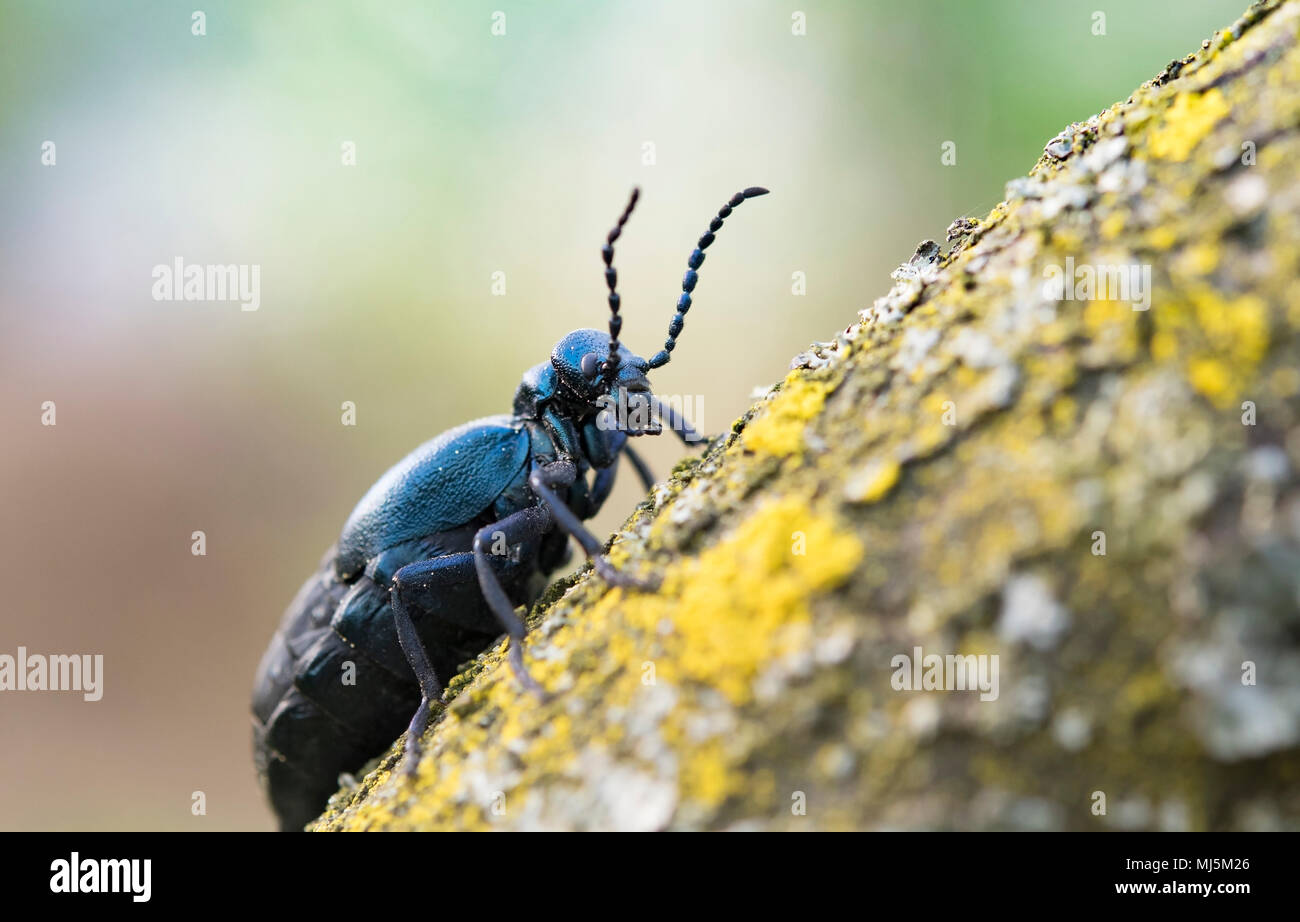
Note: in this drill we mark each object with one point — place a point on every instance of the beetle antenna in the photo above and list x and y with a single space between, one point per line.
693 263
611 279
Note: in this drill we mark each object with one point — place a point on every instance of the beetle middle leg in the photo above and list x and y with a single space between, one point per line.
604 482
642 469
530 523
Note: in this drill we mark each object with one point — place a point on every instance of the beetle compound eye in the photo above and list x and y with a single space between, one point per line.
590 365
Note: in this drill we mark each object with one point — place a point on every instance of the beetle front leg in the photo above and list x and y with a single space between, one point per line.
543 480
678 423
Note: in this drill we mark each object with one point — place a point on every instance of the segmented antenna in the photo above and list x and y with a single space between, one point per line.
610 365
693 263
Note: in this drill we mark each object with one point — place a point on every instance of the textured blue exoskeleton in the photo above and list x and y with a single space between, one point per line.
435 559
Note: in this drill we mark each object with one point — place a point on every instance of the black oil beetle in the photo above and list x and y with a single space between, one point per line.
434 560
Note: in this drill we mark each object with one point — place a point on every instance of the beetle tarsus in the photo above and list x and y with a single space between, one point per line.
415 740
521 672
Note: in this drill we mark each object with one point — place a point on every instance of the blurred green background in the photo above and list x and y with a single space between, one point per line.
475 153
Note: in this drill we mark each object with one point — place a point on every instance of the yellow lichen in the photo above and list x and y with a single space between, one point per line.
779 431
1221 341
872 482
729 621
1113 323
1164 345
1211 378
1161 238
1236 327
1191 117
1198 259
706 775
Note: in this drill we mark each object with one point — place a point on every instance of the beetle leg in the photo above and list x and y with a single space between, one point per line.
420 575
678 423
642 469
529 523
561 473
430 685
525 526
602 485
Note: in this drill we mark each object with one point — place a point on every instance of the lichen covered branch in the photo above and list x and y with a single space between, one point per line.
1101 491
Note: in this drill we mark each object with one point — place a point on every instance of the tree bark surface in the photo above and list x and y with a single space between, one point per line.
1102 496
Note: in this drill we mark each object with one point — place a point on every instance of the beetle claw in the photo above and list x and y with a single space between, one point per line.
521 672
409 767
414 749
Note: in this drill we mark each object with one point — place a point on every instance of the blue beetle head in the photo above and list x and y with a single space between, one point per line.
591 371
582 371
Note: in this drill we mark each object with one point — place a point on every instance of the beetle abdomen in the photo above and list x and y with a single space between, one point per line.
319 706
334 689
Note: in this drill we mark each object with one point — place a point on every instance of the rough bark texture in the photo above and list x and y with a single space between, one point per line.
939 477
